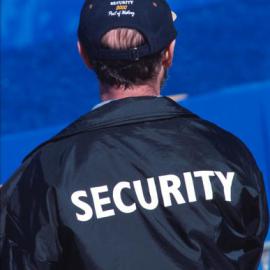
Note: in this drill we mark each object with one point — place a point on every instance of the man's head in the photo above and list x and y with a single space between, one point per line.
127 43
149 70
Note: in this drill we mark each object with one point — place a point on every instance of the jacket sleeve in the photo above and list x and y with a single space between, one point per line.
255 214
29 224
263 209
260 200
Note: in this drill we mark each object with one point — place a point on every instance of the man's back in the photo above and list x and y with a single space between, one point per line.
139 183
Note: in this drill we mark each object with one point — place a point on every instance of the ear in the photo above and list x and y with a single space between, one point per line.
168 55
84 55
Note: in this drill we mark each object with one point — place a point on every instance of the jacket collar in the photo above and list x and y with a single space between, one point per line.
126 111
122 111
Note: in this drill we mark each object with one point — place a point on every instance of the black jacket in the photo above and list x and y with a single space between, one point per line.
139 183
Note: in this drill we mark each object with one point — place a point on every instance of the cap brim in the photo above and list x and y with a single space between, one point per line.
174 16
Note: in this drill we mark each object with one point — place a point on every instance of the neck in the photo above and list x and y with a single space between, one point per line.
110 92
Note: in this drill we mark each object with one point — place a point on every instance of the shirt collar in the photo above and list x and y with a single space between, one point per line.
102 103
106 102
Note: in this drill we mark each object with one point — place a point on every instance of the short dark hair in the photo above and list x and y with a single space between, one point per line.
125 72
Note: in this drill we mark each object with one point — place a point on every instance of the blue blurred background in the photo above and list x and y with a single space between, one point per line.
222 62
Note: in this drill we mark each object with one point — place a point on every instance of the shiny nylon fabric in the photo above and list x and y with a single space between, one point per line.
130 140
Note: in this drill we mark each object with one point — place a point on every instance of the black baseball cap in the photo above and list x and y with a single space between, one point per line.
152 18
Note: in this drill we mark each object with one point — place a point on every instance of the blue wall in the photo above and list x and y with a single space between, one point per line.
221 43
